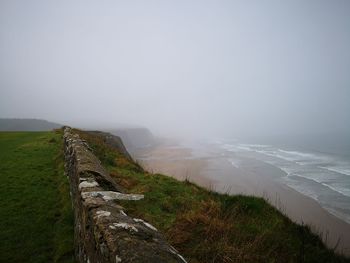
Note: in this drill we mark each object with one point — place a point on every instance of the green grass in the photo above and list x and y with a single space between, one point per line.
36 220
209 227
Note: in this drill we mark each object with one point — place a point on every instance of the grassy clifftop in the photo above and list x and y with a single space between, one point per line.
209 227
36 219
36 222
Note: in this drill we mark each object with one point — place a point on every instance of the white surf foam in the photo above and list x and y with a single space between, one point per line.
338 169
235 163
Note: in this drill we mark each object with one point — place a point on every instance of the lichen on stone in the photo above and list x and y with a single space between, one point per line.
102 213
111 195
87 184
126 226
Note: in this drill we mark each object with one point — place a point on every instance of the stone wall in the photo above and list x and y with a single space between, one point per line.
103 230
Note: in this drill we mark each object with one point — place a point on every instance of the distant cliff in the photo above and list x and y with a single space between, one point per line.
135 138
27 125
113 141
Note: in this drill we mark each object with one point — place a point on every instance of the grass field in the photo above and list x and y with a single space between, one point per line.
36 220
209 227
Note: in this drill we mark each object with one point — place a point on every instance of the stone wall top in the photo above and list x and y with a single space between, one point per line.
103 230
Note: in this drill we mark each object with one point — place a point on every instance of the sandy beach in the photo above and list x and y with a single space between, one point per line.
251 178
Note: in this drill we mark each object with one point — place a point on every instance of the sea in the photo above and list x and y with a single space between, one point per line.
315 166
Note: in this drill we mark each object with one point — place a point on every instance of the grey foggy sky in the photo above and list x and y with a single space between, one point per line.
217 67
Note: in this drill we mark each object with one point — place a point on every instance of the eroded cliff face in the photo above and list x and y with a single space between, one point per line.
103 230
135 138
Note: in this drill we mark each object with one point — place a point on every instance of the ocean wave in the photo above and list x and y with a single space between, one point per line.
297 155
300 158
335 212
243 147
288 155
255 145
338 189
235 163
287 170
295 184
337 169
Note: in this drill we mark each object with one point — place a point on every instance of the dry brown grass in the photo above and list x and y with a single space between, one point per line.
123 181
213 234
205 235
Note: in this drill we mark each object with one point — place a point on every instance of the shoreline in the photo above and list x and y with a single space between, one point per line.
258 179
296 206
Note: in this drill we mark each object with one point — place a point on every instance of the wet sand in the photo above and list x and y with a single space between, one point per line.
251 178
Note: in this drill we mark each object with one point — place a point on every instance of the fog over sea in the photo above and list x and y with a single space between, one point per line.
318 167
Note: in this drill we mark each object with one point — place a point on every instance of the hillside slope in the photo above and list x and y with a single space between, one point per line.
209 227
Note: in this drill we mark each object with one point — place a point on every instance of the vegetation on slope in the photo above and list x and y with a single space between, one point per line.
209 227
36 219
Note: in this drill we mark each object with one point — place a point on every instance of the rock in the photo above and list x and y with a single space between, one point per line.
110 195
